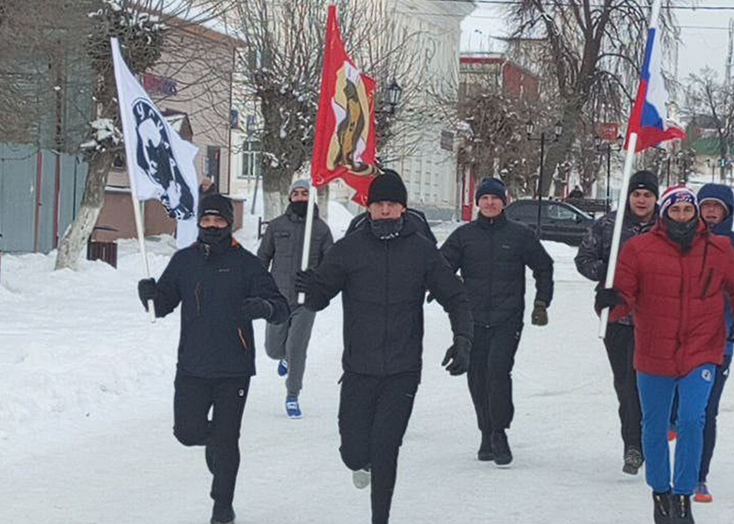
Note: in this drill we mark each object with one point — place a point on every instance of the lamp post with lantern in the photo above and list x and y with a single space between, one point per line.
557 132
393 95
607 147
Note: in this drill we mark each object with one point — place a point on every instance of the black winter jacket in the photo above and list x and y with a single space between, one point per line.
282 245
417 218
491 255
216 339
383 285
593 255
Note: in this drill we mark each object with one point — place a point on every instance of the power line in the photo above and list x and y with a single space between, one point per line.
558 4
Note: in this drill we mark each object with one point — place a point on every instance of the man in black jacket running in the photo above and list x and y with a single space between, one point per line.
383 271
492 252
222 288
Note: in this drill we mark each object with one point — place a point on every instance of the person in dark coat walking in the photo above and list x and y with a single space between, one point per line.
716 202
222 288
281 251
591 261
674 280
382 272
492 253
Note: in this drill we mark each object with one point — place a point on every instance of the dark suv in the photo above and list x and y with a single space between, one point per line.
560 221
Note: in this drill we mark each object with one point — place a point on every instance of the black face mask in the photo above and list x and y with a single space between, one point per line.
682 233
386 228
217 239
299 208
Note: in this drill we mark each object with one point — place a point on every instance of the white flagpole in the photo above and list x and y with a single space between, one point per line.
307 234
129 155
619 219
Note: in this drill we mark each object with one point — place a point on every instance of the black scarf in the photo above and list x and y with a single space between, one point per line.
214 239
387 228
682 233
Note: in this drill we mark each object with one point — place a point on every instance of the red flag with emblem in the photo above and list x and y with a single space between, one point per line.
345 142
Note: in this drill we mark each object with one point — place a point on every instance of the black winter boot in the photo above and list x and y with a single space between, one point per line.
485 453
222 514
662 507
632 460
501 448
680 507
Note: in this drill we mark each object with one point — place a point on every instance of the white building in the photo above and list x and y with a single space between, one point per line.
426 158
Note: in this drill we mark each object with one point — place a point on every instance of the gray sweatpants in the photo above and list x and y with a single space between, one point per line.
289 341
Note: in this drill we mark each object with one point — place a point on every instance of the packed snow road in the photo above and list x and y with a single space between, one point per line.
86 415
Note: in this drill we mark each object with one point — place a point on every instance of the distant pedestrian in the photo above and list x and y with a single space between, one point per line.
491 254
281 251
576 192
673 280
591 261
222 288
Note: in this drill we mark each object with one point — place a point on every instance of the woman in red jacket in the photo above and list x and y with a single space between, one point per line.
673 281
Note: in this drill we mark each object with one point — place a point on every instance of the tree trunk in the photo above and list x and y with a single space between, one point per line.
557 150
76 236
276 184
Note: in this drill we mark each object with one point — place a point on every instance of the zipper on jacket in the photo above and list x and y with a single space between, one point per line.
242 338
387 304
197 294
708 282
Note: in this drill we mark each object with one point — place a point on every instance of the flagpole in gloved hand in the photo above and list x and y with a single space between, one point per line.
618 221
128 130
307 235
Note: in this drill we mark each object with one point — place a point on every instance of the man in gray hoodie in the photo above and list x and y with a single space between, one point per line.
281 250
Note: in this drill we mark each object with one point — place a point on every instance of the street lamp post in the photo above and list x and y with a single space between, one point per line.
607 147
557 131
393 96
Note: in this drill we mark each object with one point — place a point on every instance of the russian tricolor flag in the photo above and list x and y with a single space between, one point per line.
650 113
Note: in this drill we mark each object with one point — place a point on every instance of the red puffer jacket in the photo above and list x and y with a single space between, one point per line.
677 300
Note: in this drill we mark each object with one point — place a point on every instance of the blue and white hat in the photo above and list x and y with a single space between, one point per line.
675 195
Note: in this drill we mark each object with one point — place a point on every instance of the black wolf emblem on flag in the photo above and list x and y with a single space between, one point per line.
156 158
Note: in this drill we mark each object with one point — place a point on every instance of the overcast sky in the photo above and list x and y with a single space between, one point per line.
704 34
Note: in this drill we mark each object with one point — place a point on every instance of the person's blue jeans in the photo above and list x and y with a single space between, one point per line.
656 399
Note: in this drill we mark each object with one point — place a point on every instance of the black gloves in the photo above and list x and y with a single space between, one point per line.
607 298
458 355
540 314
305 281
146 291
253 308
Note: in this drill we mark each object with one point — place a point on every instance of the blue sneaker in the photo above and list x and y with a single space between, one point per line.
282 368
292 409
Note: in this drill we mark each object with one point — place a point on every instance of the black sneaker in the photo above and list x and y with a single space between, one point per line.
632 460
485 453
222 514
680 507
501 448
661 502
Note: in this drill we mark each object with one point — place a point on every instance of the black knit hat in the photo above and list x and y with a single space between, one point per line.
388 187
491 186
217 205
644 180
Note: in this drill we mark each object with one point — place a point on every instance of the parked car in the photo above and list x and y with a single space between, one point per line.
560 221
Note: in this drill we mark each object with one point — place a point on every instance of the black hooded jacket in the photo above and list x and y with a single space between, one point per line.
383 285
491 255
216 339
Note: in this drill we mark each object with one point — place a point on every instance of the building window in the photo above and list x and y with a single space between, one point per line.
251 159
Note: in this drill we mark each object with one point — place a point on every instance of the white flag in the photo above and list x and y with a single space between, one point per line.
159 162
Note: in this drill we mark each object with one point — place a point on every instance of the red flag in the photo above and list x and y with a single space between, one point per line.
345 142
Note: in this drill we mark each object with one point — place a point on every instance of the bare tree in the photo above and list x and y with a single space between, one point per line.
282 64
707 96
593 50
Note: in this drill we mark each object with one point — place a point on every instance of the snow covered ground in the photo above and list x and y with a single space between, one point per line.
86 387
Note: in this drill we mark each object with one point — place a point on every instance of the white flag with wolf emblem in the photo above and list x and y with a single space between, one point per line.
160 163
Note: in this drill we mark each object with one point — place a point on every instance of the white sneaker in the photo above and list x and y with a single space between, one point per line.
362 478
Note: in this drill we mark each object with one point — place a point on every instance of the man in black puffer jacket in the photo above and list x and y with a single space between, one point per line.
491 254
591 261
222 288
383 272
